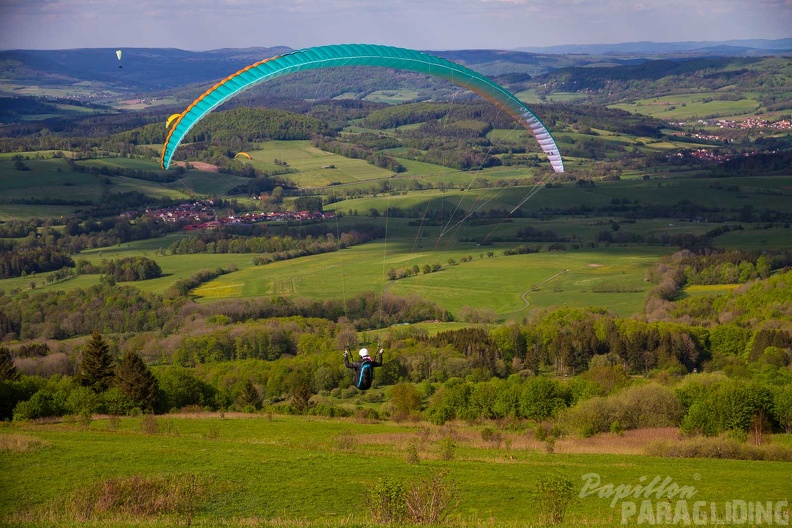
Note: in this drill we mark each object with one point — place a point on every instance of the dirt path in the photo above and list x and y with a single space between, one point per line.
524 295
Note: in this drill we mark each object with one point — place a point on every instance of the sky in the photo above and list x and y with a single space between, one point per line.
418 24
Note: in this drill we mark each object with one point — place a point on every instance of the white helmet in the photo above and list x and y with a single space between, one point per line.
364 352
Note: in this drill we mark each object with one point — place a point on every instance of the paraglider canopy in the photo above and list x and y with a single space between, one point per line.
171 119
243 155
359 55
118 54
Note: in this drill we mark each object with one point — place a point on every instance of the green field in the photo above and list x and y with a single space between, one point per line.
610 277
509 286
305 471
308 162
690 106
705 192
50 184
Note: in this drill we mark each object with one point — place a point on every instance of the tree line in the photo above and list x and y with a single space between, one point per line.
125 269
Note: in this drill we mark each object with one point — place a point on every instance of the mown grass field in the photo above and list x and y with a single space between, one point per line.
309 471
308 162
509 286
689 106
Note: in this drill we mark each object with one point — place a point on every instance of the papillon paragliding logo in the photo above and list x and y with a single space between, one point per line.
357 55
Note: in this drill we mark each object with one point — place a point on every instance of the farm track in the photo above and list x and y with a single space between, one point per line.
524 295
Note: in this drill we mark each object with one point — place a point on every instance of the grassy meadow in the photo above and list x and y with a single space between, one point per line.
308 161
274 470
691 106
509 287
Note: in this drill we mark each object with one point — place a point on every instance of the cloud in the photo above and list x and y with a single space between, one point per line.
423 24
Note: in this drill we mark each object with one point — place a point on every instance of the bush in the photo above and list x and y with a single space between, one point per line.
345 441
115 402
412 456
428 501
388 504
636 407
136 496
722 446
149 424
366 415
447 448
42 404
543 398
14 392
488 434
555 493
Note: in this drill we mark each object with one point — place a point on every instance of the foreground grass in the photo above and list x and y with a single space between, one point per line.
303 471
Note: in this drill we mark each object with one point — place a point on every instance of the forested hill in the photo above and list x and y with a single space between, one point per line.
153 69
730 77
141 68
741 48
145 70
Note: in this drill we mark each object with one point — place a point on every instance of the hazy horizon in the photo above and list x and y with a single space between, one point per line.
422 24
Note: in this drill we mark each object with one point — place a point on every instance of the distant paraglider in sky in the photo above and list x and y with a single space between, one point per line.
118 54
170 120
358 55
243 155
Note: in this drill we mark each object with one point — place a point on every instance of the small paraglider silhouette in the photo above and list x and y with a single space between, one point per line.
171 119
118 54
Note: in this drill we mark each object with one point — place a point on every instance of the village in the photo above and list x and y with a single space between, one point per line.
202 214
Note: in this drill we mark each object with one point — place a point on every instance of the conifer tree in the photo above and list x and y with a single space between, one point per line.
136 381
8 371
96 365
249 396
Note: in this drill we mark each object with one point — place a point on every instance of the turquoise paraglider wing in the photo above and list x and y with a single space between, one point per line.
358 55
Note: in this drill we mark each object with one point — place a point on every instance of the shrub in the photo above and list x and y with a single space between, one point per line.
488 434
543 398
116 402
541 432
136 497
555 493
428 501
640 406
149 424
345 441
213 433
366 415
412 456
447 448
82 401
723 446
18 443
405 399
40 405
650 405
388 504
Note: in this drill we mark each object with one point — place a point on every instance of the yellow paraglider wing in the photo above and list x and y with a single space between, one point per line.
243 155
171 119
118 54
